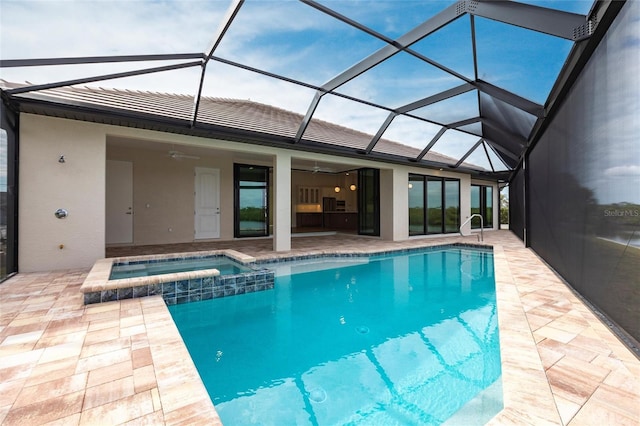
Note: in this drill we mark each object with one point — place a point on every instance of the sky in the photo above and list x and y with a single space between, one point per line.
295 40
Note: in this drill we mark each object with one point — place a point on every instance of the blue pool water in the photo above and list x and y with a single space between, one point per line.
400 339
223 264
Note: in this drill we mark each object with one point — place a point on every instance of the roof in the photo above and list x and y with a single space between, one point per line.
234 114
464 84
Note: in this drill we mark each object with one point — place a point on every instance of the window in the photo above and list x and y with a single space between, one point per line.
482 204
251 201
434 205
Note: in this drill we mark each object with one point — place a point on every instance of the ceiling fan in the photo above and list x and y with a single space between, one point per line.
177 155
317 169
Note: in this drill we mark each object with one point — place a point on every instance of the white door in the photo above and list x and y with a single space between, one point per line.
207 209
119 202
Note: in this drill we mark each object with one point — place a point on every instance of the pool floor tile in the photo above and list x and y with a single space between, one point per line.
126 363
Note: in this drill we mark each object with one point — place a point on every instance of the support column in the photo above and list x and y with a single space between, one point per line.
282 202
394 194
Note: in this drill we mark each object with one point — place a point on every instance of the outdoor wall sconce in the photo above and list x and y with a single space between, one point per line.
337 189
352 187
61 213
61 159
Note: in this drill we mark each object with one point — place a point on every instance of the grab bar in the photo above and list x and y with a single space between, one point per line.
481 235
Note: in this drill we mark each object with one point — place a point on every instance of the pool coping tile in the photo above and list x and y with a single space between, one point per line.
189 286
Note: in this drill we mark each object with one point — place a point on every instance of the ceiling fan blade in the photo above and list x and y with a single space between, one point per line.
177 155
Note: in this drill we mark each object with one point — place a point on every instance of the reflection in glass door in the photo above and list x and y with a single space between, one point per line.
251 201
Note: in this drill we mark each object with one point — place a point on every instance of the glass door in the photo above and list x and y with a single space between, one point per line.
451 205
8 193
416 205
434 205
482 204
251 201
369 202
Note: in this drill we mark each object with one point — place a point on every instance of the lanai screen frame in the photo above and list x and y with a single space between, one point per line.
500 115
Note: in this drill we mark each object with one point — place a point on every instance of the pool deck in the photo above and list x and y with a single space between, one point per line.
124 362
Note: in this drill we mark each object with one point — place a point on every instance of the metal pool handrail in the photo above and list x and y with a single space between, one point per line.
481 235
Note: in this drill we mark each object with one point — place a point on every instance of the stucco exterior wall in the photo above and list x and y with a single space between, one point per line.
163 194
163 189
77 185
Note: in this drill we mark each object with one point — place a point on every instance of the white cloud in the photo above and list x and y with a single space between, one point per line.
34 29
629 170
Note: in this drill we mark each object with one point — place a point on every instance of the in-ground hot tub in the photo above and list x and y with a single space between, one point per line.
178 277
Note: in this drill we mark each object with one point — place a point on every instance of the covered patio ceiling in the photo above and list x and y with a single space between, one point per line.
470 80
190 154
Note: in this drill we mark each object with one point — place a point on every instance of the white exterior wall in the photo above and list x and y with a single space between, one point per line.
465 202
282 197
163 194
394 204
77 185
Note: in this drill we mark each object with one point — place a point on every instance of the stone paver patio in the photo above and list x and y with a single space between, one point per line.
124 362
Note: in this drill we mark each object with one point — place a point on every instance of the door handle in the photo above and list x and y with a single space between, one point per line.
128 212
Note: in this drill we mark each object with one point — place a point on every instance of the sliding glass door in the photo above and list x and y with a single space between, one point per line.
482 204
369 202
416 205
8 193
451 198
434 205
251 218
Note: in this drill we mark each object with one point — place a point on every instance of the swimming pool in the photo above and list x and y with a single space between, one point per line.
395 339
